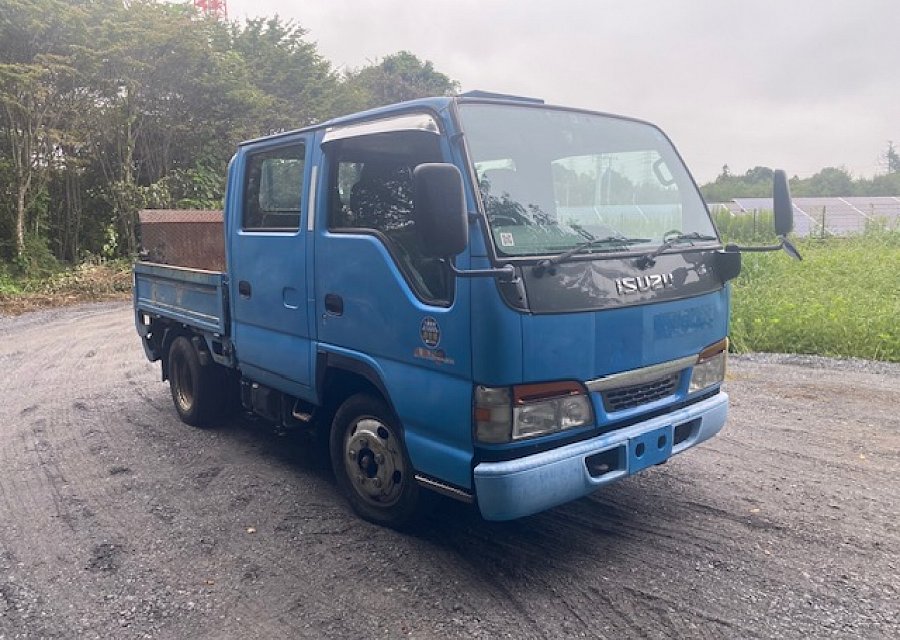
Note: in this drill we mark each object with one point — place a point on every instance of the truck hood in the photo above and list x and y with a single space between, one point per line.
579 323
589 344
595 317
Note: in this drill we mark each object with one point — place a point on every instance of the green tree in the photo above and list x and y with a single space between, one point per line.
397 77
891 158
168 90
299 85
830 181
755 183
30 118
36 76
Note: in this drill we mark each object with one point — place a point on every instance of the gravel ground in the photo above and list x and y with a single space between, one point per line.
118 521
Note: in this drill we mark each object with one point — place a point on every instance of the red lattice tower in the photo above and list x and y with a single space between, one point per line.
215 8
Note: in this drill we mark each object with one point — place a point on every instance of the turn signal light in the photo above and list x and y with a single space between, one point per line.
710 368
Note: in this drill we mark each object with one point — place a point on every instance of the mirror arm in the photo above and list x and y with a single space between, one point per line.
507 272
783 243
733 248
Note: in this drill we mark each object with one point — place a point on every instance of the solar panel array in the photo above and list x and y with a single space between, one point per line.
839 216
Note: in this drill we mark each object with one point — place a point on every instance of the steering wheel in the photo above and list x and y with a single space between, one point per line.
504 220
508 216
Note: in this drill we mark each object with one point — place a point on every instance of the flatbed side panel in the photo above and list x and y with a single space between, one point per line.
191 296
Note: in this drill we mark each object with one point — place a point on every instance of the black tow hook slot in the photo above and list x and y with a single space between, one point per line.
686 430
604 462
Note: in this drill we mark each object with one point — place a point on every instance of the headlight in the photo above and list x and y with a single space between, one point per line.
710 367
525 411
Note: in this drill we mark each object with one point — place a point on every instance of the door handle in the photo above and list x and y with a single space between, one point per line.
244 289
334 304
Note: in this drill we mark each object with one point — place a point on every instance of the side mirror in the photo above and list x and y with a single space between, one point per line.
782 205
440 209
784 222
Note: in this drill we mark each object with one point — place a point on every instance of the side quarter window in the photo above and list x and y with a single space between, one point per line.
273 184
372 190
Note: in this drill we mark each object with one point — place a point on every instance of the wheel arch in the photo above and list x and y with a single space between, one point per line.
173 331
340 376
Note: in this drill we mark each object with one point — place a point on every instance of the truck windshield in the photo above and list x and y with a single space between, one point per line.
551 179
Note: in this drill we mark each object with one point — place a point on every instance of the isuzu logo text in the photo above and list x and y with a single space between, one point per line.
638 284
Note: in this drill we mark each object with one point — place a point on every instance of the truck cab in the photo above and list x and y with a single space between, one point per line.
508 303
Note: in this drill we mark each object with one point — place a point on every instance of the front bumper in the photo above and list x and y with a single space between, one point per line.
520 487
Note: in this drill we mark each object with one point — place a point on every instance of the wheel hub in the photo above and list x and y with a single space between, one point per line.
373 461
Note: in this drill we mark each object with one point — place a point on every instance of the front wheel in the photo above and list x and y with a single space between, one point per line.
370 462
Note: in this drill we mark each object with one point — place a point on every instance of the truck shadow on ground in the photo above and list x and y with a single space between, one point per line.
545 571
614 517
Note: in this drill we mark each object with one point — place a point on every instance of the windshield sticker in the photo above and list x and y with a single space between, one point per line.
430 332
507 240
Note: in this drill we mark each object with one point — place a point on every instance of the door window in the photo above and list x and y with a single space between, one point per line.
372 191
272 189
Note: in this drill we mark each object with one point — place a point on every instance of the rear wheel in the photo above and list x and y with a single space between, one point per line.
371 464
200 392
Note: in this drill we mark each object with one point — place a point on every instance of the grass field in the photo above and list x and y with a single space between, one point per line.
843 299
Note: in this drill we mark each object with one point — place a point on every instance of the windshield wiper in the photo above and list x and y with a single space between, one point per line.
649 259
616 241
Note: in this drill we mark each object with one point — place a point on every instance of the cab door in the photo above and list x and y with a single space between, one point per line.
268 266
382 301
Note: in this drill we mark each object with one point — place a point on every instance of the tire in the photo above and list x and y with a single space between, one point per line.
371 465
200 392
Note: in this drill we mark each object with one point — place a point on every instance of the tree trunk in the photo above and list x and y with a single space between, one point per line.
20 219
127 212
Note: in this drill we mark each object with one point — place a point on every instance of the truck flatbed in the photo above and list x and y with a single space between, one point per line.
193 297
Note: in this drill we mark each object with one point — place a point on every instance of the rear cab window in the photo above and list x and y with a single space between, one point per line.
273 185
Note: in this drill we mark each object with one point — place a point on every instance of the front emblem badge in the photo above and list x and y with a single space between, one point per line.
640 284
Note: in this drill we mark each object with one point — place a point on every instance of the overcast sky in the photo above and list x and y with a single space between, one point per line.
795 84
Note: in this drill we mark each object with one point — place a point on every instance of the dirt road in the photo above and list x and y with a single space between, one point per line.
118 521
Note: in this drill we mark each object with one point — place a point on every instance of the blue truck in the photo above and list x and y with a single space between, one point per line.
501 301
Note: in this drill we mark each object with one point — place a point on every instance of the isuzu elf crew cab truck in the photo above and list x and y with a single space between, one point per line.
505 302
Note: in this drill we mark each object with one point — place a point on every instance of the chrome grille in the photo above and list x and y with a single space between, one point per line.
621 398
